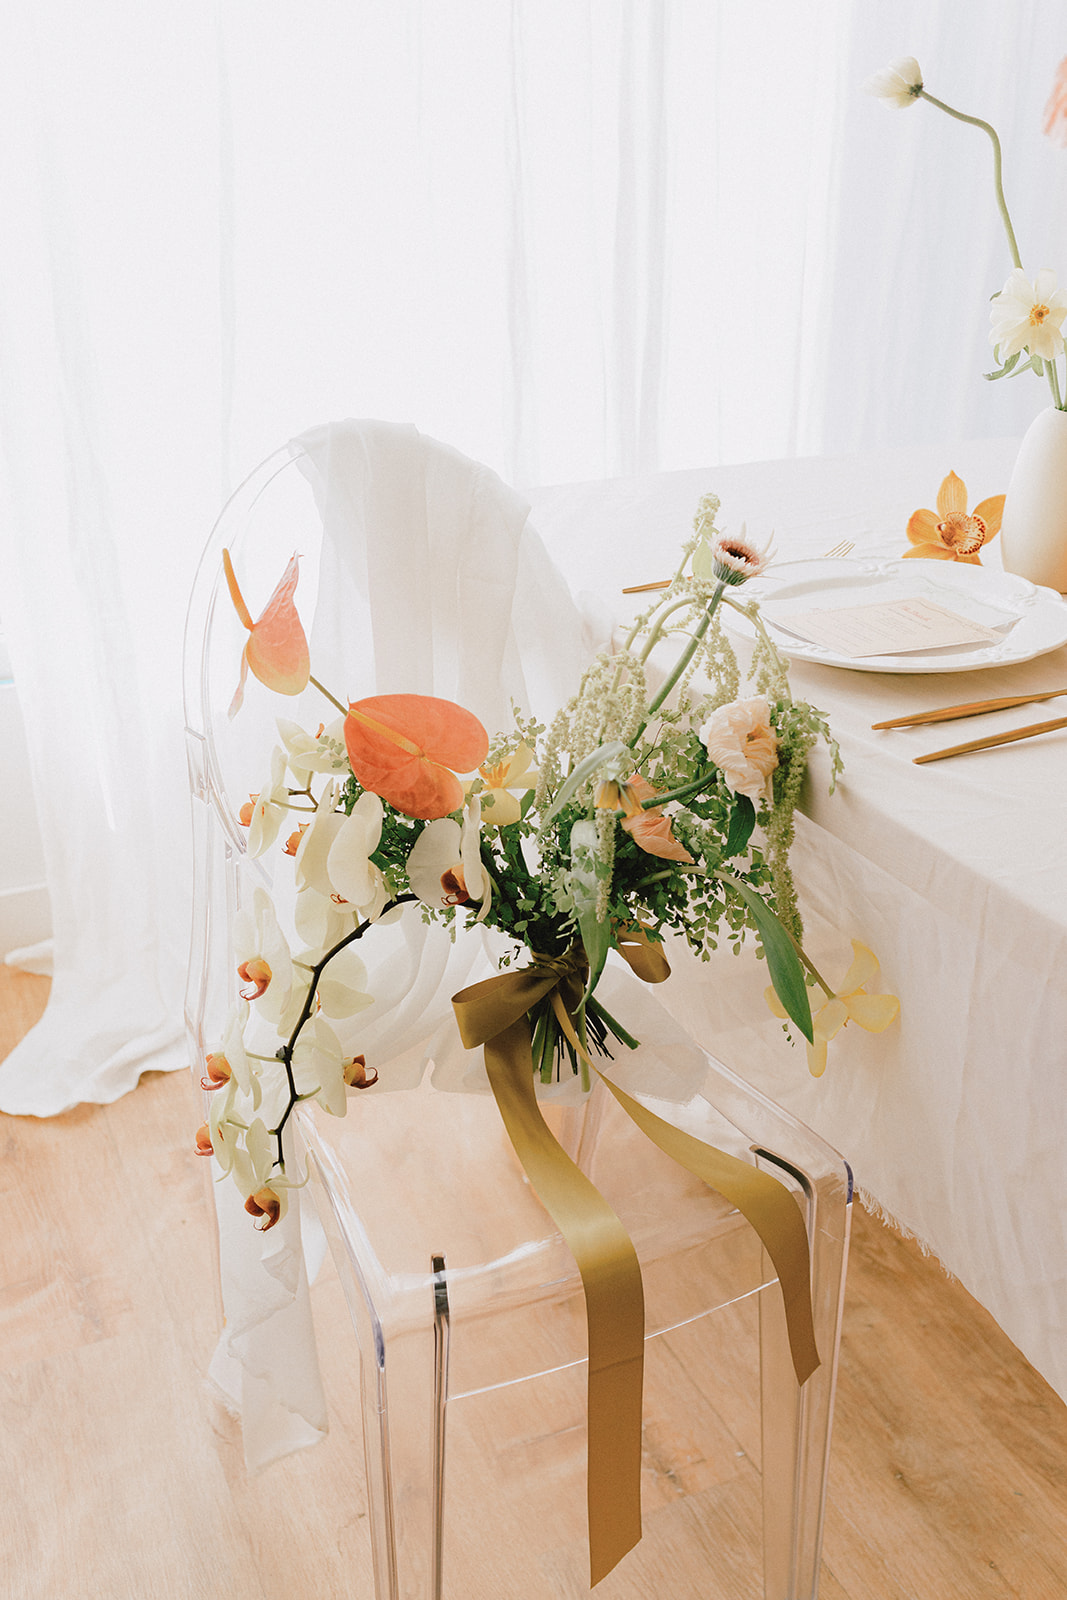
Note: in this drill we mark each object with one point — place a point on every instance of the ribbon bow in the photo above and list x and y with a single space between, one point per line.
494 1013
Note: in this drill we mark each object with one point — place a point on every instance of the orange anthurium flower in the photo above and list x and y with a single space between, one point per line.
949 533
276 649
407 748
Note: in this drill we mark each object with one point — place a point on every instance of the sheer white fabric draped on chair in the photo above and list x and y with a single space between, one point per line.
431 583
575 240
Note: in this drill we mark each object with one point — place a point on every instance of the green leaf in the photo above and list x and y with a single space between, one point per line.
742 822
582 773
1011 362
783 963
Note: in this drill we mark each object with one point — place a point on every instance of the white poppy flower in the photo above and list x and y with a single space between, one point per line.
1029 316
898 84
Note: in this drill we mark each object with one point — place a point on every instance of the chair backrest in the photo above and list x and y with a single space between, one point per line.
419 574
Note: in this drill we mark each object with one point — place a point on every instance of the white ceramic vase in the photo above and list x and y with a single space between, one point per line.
1033 535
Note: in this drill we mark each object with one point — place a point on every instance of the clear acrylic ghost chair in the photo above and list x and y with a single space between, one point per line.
465 1302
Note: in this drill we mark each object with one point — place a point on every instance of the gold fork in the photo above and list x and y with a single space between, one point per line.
835 552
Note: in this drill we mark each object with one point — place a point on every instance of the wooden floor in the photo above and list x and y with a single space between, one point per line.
120 1479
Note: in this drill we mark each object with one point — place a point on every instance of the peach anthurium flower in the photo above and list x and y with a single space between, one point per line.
445 867
276 650
649 828
740 739
407 748
263 959
851 1003
499 806
950 534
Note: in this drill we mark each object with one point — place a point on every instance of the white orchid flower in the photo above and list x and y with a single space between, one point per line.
899 84
263 959
445 866
320 921
314 752
351 872
314 847
342 989
319 1067
265 811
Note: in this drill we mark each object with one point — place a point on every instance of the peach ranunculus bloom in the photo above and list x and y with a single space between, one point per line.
740 739
1056 109
949 533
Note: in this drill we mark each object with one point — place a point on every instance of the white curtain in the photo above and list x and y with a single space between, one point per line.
574 240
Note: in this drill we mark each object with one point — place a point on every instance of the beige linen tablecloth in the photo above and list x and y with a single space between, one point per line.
955 1121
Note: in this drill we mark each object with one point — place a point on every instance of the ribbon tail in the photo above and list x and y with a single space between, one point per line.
614 1298
765 1202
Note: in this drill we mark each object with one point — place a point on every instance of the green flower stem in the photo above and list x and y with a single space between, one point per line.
330 697
1054 384
683 660
285 1054
686 791
998 184
614 1027
757 622
636 629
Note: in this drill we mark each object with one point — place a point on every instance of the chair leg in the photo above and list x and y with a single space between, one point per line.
796 1421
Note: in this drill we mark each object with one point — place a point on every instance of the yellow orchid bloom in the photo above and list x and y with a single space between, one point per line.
499 806
851 1003
949 533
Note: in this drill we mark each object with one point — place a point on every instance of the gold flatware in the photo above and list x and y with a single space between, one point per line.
993 739
835 551
973 709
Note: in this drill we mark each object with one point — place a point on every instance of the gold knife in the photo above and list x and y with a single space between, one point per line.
973 709
993 739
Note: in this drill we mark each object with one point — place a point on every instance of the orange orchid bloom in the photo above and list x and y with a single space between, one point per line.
949 533
276 649
407 748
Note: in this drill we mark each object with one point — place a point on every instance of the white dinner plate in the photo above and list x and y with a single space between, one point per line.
1030 620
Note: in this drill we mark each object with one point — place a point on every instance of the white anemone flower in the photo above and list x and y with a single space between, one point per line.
263 959
352 874
269 808
1029 316
445 866
899 84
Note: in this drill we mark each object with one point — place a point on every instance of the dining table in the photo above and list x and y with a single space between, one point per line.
953 872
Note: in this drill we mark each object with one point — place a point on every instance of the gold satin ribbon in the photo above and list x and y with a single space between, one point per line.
493 1013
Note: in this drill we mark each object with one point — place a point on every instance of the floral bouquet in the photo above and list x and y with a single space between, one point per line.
659 799
638 811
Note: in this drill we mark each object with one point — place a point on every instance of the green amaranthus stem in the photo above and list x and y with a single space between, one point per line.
683 660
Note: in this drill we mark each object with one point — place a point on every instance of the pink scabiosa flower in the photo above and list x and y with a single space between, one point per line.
740 740
730 557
